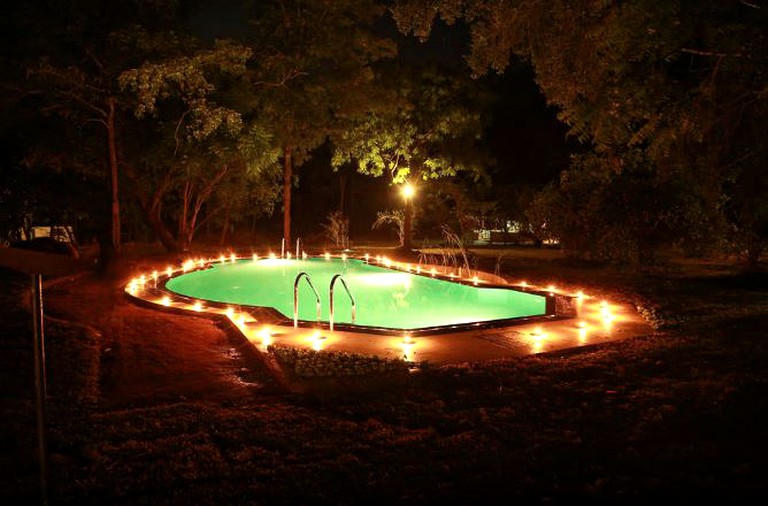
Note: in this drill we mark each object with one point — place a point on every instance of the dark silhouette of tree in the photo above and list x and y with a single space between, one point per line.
671 88
310 70
202 141
73 55
426 126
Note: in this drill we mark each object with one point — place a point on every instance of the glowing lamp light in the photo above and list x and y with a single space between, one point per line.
232 258
288 255
154 275
255 257
188 265
538 333
418 269
230 312
222 259
580 296
582 336
551 288
272 256
407 191
241 320
524 284
475 280
197 306
169 271
265 334
606 314
581 324
387 262
317 340
303 255
367 256
433 271
344 257
408 345
165 301
327 256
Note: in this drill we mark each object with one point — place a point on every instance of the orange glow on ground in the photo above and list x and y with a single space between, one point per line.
317 340
597 320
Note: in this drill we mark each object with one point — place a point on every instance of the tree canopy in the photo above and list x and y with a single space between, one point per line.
427 127
310 71
673 87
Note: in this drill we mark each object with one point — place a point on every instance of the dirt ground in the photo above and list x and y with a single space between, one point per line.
152 408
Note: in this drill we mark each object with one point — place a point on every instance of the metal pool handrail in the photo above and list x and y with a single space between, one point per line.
298 251
330 296
296 297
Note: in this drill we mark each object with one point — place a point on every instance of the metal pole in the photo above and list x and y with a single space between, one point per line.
40 390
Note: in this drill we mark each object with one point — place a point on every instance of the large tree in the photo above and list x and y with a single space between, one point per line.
202 140
426 126
676 88
310 70
73 54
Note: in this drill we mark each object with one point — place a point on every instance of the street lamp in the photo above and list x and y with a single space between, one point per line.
408 192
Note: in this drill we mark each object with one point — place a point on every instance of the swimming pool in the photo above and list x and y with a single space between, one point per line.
385 299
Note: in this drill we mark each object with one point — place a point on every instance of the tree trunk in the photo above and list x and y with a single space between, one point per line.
161 231
225 226
111 135
342 192
287 180
183 227
754 250
407 219
151 207
192 221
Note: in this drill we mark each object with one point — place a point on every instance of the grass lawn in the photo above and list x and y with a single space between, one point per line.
148 408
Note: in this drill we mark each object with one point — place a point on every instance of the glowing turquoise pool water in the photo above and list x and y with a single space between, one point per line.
385 298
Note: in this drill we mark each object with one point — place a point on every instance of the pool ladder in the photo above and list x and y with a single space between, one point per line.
330 296
296 297
337 277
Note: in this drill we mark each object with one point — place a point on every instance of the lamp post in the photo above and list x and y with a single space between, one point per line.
408 192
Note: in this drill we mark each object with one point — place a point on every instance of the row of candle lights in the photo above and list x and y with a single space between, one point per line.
139 284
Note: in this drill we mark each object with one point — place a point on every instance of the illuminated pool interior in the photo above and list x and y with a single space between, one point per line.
385 299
